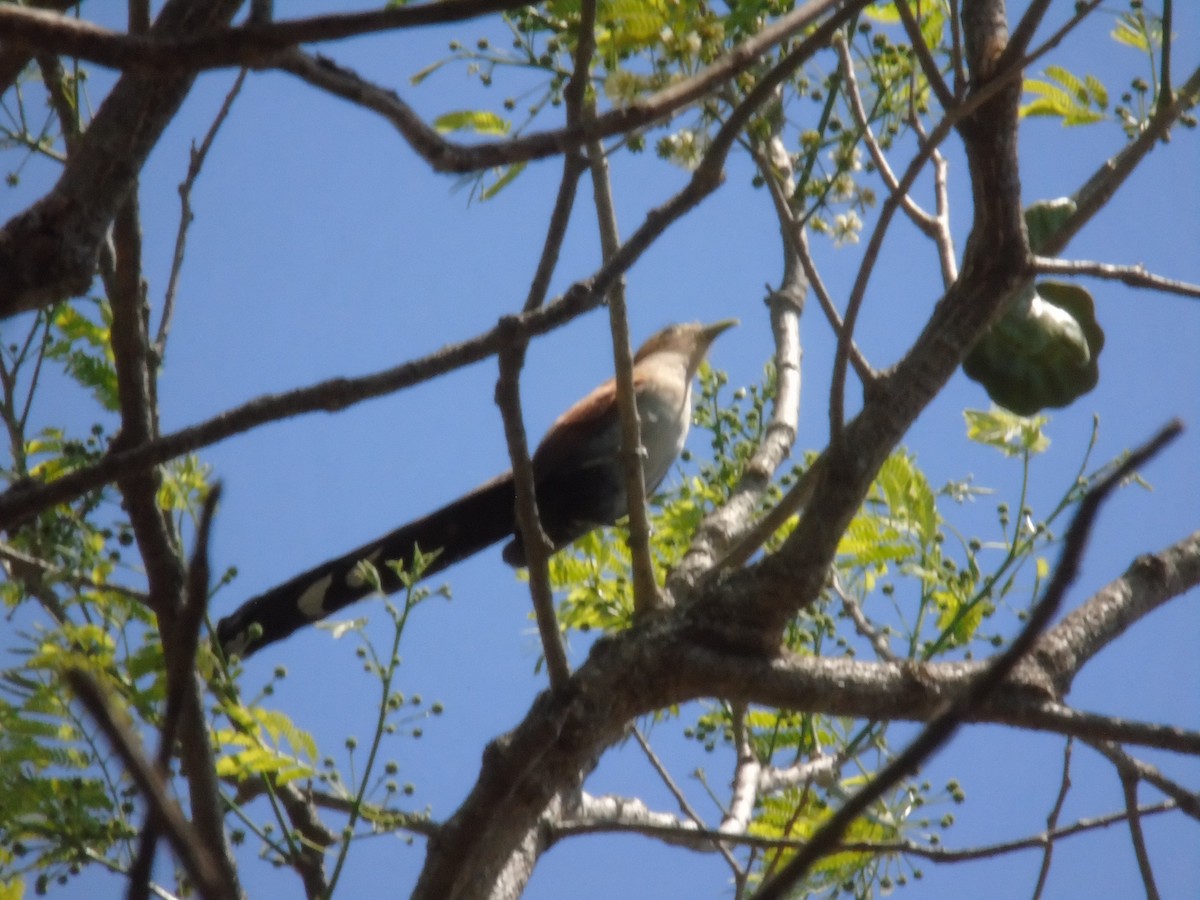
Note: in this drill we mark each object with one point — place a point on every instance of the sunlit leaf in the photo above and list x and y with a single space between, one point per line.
481 121
1006 431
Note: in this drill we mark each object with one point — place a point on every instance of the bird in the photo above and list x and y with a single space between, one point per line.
578 483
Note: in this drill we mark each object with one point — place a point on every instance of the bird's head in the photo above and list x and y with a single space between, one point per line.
689 339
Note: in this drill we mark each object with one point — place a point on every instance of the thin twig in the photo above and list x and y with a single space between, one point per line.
776 517
556 229
646 599
956 53
574 165
181 661
861 623
922 219
1052 820
795 234
1129 784
1188 801
1134 276
680 797
537 546
54 80
704 839
685 805
195 164
929 67
1112 173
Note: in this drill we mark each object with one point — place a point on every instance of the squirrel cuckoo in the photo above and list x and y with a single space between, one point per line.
578 484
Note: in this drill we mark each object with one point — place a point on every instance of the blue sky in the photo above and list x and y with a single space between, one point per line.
322 246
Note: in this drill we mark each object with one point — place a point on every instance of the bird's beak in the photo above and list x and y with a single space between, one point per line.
711 332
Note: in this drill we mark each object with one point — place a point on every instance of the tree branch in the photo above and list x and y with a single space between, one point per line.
1134 276
919 217
194 854
646 599
1129 782
1188 801
537 545
49 251
447 156
1149 582
248 46
1052 820
946 723
195 164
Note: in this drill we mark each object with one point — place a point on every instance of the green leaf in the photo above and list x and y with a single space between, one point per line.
1007 432
481 121
962 620
82 346
1130 31
1077 101
510 174
1097 90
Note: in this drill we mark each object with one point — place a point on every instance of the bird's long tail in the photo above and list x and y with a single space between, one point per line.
459 529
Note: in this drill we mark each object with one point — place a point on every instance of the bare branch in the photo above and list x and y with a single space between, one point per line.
620 815
447 156
685 806
537 545
195 164
574 165
49 251
1134 276
990 851
556 230
861 623
251 45
14 58
1129 782
746 779
1149 582
1027 27
925 56
646 598
1188 801
923 220
1052 820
